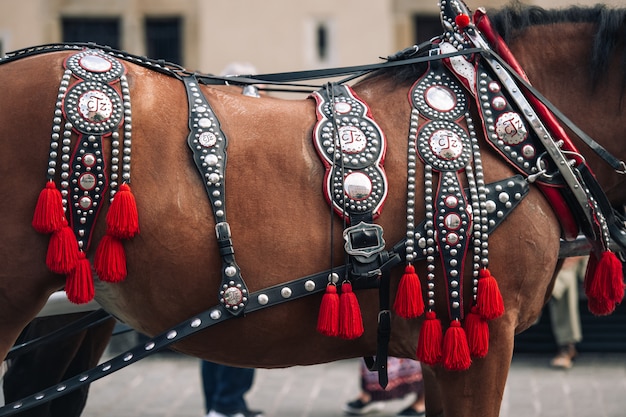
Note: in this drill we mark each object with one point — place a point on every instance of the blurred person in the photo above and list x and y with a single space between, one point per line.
405 378
564 311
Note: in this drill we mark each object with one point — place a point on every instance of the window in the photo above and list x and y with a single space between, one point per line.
103 31
322 42
320 38
426 27
164 39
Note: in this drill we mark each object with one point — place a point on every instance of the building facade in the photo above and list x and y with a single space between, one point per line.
208 35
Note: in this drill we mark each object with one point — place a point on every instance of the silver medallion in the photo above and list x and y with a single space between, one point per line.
446 145
352 139
510 128
87 181
440 98
95 63
357 186
207 139
342 107
232 296
95 106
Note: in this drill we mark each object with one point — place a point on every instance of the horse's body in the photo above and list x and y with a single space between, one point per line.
279 218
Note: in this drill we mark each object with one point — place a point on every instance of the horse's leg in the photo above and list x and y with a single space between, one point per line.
479 390
432 393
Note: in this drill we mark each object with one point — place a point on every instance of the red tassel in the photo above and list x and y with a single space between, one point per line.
79 283
350 320
477 331
62 251
328 317
110 260
122 219
429 344
456 356
604 283
49 215
409 302
488 298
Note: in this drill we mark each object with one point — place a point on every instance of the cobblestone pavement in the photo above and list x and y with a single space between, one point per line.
168 385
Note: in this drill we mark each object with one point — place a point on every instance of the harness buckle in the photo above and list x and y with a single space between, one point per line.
363 241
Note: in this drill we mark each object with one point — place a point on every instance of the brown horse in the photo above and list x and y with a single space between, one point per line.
281 224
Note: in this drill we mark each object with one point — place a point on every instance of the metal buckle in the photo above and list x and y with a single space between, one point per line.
364 240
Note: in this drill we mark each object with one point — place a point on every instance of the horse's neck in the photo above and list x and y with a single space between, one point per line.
557 60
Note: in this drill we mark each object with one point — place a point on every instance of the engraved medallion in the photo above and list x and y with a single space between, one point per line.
87 181
352 139
510 128
95 106
207 139
232 296
446 145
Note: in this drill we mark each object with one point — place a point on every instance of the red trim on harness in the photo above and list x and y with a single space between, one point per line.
554 197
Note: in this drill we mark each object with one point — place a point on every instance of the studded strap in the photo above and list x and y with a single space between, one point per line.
208 144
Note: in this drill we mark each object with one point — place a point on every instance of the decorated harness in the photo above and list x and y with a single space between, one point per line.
461 209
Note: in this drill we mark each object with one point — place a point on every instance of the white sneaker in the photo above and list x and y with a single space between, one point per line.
244 413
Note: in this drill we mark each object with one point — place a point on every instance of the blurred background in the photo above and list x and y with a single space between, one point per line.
207 35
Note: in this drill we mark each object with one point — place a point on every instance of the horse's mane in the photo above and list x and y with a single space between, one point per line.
610 36
511 21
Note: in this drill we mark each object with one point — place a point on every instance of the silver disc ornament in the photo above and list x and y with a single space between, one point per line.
93 108
439 97
444 145
95 65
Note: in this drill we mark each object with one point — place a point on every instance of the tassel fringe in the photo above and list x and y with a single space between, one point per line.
456 355
110 260
62 253
409 302
604 283
477 331
350 320
488 298
79 283
49 215
429 344
122 219
328 317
